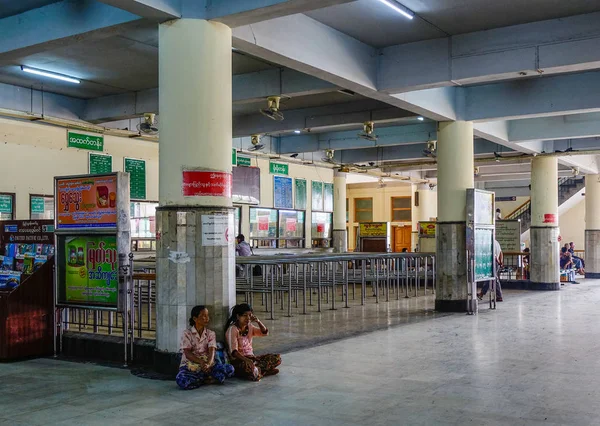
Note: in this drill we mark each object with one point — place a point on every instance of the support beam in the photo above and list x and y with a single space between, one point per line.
60 24
572 126
33 101
160 10
250 87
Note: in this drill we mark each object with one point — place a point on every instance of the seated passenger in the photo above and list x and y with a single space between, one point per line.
526 262
576 258
239 333
199 363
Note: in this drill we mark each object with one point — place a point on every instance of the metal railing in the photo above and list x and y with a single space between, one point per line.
290 283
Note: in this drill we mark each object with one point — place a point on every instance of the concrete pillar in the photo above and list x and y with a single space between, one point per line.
455 175
592 226
195 231
424 212
545 265
340 235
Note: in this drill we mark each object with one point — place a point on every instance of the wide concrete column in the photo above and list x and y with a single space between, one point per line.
592 226
545 260
340 235
455 175
195 231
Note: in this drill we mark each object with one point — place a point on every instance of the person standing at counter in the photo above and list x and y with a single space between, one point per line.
242 248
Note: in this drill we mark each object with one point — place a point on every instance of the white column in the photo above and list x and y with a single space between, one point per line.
455 175
340 237
195 102
544 224
592 226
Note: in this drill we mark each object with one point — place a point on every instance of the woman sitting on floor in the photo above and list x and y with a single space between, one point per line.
239 333
200 362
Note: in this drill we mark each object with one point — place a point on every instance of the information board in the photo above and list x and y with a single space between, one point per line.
246 185
99 164
300 185
90 265
375 229
27 232
86 202
6 203
508 234
328 197
137 177
81 141
317 196
38 205
480 234
484 253
282 193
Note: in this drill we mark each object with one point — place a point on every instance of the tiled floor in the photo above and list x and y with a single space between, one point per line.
533 361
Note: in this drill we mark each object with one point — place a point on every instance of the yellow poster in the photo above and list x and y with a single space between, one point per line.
427 229
378 229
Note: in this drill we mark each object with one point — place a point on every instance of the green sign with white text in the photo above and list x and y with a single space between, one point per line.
244 161
278 169
137 178
37 205
100 164
81 141
234 156
6 203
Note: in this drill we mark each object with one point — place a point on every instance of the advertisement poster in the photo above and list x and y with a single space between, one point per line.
206 184
87 202
427 229
290 224
91 270
215 230
373 229
263 223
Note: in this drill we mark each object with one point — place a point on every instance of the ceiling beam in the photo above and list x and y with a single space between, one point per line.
60 24
25 99
571 126
160 10
554 46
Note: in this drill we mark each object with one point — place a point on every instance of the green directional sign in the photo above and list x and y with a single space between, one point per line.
81 141
244 161
6 203
278 168
234 156
38 205
100 164
137 178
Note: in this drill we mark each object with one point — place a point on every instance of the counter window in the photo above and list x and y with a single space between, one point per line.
401 209
7 206
273 228
321 229
291 229
41 207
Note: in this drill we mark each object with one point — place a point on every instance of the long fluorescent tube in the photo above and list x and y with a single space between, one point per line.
50 74
399 8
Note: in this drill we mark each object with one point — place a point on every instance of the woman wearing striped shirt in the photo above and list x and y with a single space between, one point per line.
241 328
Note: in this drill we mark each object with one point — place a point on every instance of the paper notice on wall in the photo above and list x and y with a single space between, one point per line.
290 224
263 223
215 230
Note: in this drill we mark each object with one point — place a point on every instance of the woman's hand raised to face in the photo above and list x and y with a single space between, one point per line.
253 317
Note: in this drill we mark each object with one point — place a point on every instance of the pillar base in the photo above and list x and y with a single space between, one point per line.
592 253
543 286
195 265
340 241
545 260
167 362
451 264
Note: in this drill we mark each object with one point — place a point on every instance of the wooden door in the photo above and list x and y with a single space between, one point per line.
402 238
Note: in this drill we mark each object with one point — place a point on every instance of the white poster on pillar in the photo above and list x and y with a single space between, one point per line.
216 230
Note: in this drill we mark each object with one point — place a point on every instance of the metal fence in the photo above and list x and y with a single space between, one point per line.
289 283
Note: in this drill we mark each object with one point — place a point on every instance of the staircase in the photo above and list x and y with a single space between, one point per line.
567 187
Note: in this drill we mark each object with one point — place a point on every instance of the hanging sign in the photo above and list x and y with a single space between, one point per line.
6 203
244 161
373 229
216 230
86 202
137 178
99 164
38 205
506 198
206 184
278 169
233 157
81 141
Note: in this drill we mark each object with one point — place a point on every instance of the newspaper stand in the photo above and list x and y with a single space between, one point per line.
93 263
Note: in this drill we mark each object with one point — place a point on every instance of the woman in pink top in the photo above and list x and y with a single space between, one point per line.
239 333
200 362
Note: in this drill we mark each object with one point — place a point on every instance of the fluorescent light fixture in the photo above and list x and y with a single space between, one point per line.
420 118
297 132
404 11
50 75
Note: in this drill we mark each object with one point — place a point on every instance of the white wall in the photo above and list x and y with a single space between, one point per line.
572 225
33 154
507 207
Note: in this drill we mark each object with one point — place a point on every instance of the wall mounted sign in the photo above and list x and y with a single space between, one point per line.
375 229
427 229
244 161
550 218
6 203
99 164
86 202
300 185
328 197
246 185
216 230
278 168
81 141
317 195
197 183
233 157
137 177
282 193
38 205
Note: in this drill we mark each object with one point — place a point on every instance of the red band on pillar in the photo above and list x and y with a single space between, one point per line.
206 184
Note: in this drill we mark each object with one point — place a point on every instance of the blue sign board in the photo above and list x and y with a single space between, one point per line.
282 193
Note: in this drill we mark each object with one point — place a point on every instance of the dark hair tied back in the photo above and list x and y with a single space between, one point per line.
235 311
195 312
